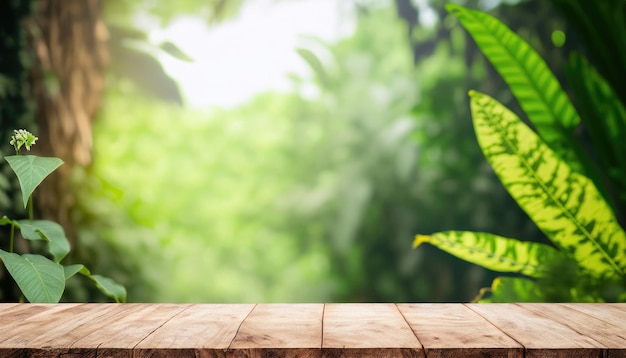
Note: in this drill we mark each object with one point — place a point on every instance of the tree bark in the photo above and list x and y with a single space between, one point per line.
69 38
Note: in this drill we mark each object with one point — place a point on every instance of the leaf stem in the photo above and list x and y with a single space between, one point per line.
12 237
30 208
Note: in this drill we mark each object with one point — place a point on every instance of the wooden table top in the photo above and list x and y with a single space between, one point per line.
313 330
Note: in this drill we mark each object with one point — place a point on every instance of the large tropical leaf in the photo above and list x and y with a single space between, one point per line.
31 170
494 252
39 279
564 204
536 88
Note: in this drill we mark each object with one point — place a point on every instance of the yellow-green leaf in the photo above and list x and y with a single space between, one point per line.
536 88
511 289
564 204
494 252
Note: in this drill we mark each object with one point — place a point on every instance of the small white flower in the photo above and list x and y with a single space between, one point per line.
22 137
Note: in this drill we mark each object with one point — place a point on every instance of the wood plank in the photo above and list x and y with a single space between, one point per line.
7 307
53 338
280 330
540 335
312 330
367 330
27 328
18 312
613 313
117 333
611 336
198 331
27 321
453 330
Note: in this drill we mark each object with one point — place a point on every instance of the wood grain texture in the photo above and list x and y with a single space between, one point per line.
280 330
376 330
198 331
7 307
587 324
540 336
453 330
613 313
24 325
118 332
26 328
312 330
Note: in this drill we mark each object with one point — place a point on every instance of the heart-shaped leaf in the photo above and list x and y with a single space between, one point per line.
31 170
40 279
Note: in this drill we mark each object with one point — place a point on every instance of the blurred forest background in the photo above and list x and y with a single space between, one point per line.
306 194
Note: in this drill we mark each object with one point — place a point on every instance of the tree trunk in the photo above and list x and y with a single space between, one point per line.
70 44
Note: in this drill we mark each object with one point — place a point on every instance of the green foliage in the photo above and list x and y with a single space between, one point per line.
205 219
494 252
564 204
49 231
106 285
39 278
601 26
511 289
309 195
282 198
16 97
122 11
135 56
533 84
31 170
537 172
595 95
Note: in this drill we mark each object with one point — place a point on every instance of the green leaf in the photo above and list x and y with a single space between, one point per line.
71 270
536 88
511 289
175 51
315 63
564 204
5 221
48 231
494 252
40 279
31 170
110 288
604 118
106 285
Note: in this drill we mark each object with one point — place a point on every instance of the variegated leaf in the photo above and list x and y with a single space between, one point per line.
494 252
564 204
